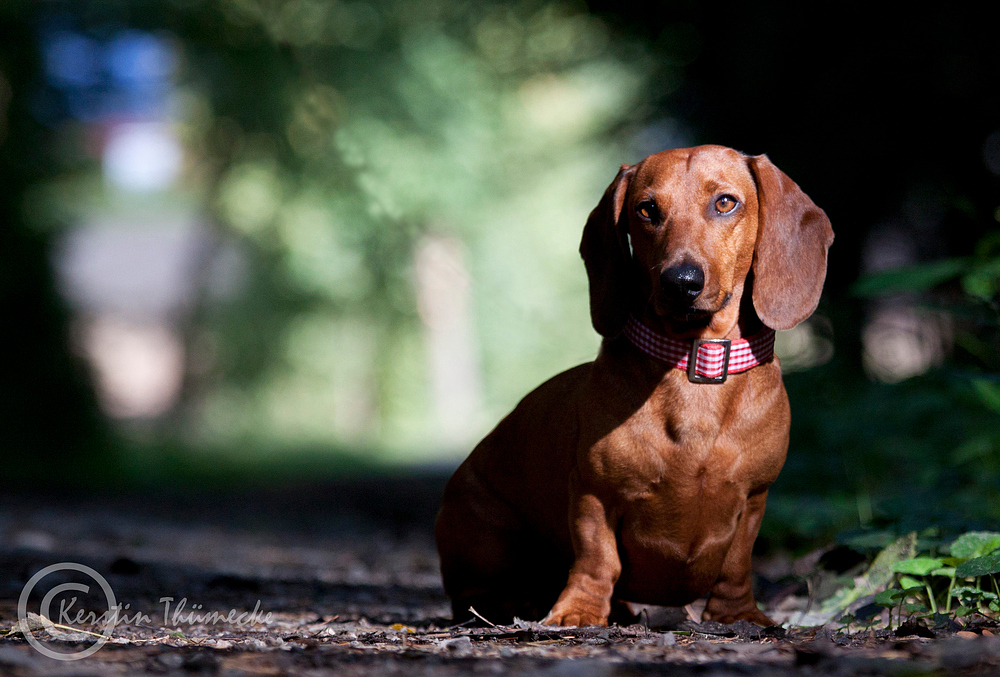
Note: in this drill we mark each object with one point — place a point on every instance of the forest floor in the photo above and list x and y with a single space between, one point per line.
343 579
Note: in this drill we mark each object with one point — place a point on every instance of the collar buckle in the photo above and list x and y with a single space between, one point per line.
693 376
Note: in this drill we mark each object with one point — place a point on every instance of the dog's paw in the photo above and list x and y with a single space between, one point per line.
576 612
574 619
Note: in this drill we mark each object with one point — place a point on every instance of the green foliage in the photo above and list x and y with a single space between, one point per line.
917 566
988 393
910 278
922 451
874 581
980 566
890 598
974 544
972 596
979 274
390 126
921 587
925 451
327 144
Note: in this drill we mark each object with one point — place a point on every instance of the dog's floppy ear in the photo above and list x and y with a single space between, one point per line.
606 256
789 263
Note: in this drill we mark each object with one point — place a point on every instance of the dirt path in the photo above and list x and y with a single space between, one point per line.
343 579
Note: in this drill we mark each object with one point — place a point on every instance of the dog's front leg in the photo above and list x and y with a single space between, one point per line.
586 599
731 598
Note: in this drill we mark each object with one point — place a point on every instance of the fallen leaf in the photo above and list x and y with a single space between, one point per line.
30 624
876 579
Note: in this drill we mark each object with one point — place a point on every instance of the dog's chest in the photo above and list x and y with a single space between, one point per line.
681 458
675 530
686 480
686 493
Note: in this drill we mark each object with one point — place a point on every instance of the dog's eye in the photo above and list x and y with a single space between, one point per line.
647 210
725 204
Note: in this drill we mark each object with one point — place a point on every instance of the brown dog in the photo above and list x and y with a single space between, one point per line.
627 478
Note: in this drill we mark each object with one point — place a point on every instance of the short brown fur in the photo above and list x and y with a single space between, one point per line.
620 479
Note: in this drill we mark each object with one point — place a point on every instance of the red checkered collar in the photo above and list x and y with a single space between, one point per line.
714 360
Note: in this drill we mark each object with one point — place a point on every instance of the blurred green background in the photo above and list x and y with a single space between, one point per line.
275 241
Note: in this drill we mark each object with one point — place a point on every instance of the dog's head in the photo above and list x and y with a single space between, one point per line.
676 236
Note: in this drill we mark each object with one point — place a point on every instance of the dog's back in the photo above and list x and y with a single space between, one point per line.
502 531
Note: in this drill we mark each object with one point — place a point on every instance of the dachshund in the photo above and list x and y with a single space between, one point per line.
642 476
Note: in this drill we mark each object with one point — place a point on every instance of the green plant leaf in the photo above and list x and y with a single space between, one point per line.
889 598
983 281
947 572
980 566
975 544
909 278
909 582
941 619
878 576
915 608
989 245
967 593
962 611
988 392
918 566
976 448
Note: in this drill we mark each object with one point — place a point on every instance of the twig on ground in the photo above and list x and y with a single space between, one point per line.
461 625
480 617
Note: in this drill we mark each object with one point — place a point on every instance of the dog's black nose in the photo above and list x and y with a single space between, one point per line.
683 282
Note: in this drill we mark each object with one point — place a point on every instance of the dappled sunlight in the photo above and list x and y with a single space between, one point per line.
380 251
355 25
138 367
437 202
444 299
250 196
320 256
142 157
805 346
570 107
902 338
902 341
